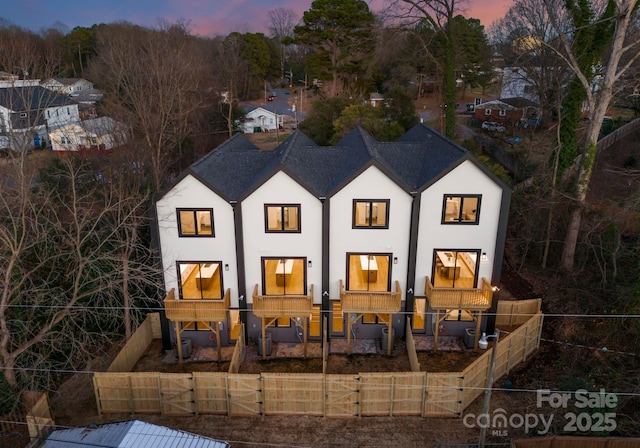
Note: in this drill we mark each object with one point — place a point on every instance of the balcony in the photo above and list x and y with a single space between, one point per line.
270 308
473 299
379 302
189 310
274 306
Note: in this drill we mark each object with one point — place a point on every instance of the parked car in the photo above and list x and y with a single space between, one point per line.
493 126
271 98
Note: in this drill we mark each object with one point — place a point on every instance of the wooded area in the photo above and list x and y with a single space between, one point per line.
76 266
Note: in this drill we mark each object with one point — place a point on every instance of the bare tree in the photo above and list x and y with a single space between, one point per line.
232 73
621 15
438 14
283 21
64 237
151 79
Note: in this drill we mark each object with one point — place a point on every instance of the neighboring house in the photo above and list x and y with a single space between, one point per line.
68 86
129 434
376 99
496 110
262 120
102 134
516 83
28 114
364 233
81 90
507 110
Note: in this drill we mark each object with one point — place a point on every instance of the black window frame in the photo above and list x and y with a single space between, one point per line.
282 207
462 197
194 325
196 234
387 203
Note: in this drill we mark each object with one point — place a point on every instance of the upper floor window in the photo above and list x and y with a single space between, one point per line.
282 218
461 209
503 112
371 213
195 222
487 111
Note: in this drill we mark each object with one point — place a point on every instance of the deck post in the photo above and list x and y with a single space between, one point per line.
217 324
478 326
390 338
264 340
304 334
179 341
435 331
348 333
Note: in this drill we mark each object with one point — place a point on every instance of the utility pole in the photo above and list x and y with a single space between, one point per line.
487 392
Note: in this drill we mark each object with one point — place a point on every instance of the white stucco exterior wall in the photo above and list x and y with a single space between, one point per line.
467 178
371 184
282 189
190 193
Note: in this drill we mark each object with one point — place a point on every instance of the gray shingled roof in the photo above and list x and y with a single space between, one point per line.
20 99
237 167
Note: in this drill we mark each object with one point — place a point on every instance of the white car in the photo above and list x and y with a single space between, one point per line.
493 126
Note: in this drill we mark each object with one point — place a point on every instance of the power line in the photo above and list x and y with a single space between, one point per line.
323 312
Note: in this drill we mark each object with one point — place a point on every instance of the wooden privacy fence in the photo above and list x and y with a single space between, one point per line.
516 312
40 419
618 134
417 393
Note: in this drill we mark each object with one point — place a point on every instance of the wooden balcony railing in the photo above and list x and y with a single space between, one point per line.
282 306
460 298
189 310
382 302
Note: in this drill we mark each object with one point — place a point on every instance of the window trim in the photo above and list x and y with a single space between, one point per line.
195 235
355 202
193 324
263 274
503 113
282 207
389 256
487 111
460 221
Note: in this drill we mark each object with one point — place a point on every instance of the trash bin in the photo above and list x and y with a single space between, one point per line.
385 338
268 344
187 346
469 337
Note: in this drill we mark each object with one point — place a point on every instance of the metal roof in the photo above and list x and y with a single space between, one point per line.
129 434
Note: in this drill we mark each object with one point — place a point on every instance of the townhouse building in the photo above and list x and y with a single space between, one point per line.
358 236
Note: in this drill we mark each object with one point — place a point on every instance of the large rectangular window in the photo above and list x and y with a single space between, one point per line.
199 281
368 272
371 213
461 209
195 222
282 218
284 276
455 268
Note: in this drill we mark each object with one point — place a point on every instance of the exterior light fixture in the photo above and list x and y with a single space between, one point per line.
226 266
483 257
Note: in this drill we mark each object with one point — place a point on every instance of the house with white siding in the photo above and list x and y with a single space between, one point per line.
29 113
262 120
97 134
362 234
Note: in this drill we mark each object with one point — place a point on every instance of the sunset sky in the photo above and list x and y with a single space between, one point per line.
207 17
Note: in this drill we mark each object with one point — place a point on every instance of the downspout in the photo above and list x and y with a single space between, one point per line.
326 303
498 258
242 287
411 263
